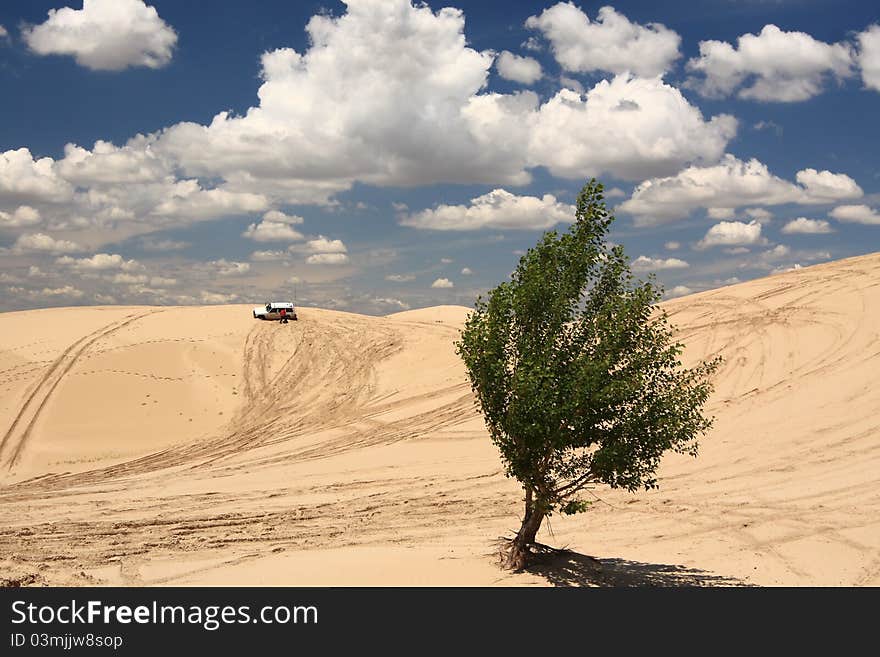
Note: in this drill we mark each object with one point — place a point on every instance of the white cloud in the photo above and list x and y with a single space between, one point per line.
826 186
804 226
107 35
224 267
400 278
136 162
610 43
466 271
678 291
130 279
409 107
628 127
66 291
3 32
189 201
391 302
218 298
161 281
388 94
721 213
24 215
731 183
447 261
325 245
672 245
442 283
644 263
869 57
859 214
42 243
764 216
732 233
778 251
327 259
786 269
268 256
774 66
24 179
99 262
497 209
272 231
525 70
279 217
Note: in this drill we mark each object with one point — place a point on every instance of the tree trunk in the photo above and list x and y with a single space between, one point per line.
518 554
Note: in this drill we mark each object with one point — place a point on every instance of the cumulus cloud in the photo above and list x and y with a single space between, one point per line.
218 297
610 43
525 70
275 227
327 259
804 226
672 245
400 278
764 216
325 245
188 200
859 214
729 184
778 251
442 283
644 263
732 233
386 94
409 107
466 271
391 302
24 179
497 209
135 162
42 243
99 262
131 279
678 291
721 213
773 65
869 57
66 291
224 267
22 216
629 127
106 35
268 256
278 217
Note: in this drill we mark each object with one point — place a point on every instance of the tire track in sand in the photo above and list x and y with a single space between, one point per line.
45 387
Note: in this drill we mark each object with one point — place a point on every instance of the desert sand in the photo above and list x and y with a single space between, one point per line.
195 445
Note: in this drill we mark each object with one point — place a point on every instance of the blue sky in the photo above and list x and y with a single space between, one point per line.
378 156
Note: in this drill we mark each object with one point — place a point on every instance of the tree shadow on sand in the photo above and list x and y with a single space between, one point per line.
565 568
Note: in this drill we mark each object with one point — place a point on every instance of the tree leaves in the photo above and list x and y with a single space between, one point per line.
575 371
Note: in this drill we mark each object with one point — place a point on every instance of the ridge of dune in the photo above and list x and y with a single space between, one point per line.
455 315
195 445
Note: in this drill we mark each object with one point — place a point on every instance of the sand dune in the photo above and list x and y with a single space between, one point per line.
146 445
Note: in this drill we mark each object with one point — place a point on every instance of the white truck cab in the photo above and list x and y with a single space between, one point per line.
280 310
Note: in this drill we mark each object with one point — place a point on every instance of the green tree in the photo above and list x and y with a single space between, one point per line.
576 372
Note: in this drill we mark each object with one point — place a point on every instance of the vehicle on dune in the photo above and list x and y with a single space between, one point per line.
283 311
